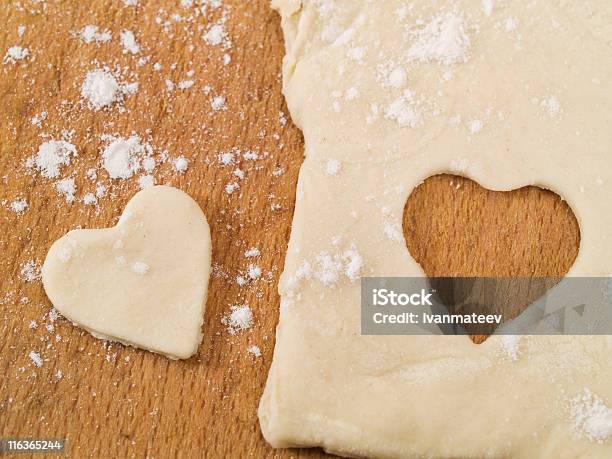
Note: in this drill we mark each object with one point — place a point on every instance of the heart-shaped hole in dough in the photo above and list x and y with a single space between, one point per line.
456 228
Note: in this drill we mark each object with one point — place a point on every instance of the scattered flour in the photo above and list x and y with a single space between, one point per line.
148 164
390 226
36 359
443 40
231 187
510 24
67 188
241 281
332 167
591 416
353 262
254 350
51 156
101 89
217 35
510 346
90 199
356 54
218 103
552 105
19 206
128 42
227 158
185 84
254 271
403 110
146 181
475 126
100 190
240 318
37 120
252 252
140 267
30 271
392 232
487 7
329 267
180 164
250 155
121 158
91 33
15 53
461 165
397 77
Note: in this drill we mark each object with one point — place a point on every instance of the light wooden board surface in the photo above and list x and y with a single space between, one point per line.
114 401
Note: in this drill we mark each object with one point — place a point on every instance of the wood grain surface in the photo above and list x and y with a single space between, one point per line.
108 400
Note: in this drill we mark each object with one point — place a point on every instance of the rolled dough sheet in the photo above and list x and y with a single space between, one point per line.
388 93
142 282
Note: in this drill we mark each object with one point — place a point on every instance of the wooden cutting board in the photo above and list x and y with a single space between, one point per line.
108 400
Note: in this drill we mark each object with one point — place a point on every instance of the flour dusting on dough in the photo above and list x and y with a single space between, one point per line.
444 40
591 416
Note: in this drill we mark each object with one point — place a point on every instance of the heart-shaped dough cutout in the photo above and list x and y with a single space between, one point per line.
142 282
456 228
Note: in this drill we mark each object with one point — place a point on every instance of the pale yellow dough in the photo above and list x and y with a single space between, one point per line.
524 98
142 282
